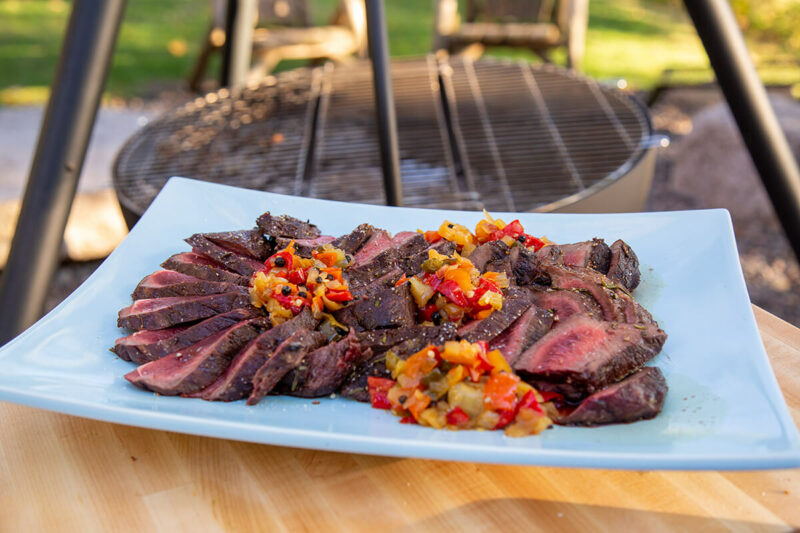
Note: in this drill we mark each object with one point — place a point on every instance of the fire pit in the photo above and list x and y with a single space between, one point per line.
506 136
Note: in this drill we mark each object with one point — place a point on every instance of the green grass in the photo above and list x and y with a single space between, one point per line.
632 39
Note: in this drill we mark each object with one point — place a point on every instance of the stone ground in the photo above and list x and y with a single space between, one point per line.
705 166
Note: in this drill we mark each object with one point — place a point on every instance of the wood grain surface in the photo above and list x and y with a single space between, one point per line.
59 472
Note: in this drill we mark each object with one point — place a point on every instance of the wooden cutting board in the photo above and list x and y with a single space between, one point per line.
59 472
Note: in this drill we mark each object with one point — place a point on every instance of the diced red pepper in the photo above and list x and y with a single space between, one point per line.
402 280
298 277
408 420
432 280
289 302
537 244
339 296
529 401
513 230
552 397
453 292
457 417
432 236
506 417
500 392
378 391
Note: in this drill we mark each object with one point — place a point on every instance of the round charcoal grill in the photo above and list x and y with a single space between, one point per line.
505 136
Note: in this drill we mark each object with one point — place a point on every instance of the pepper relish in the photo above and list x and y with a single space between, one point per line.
288 282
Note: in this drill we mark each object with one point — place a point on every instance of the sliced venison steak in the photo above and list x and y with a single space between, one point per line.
246 242
197 366
637 397
386 307
323 370
240 264
160 313
564 304
516 302
584 355
519 336
203 267
624 266
355 240
594 254
237 381
145 346
163 283
286 226
287 356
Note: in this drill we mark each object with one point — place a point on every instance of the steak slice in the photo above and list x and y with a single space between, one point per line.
489 252
286 226
203 267
145 346
164 283
381 340
246 242
160 313
413 264
615 303
519 336
564 304
624 266
361 288
409 243
355 240
195 367
367 272
378 242
515 302
637 397
285 358
583 355
385 307
237 381
303 247
240 264
323 370
402 341
525 265
594 254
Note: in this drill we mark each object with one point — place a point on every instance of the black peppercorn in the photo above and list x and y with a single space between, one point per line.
280 262
521 238
450 226
403 398
302 294
436 317
286 290
319 279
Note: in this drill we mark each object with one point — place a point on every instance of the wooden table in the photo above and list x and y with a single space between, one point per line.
68 473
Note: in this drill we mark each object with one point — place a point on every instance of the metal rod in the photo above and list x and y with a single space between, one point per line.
75 94
226 66
747 98
386 119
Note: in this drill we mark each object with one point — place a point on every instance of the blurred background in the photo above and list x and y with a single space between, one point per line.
646 47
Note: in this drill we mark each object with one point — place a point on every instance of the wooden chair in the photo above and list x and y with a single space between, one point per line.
284 31
538 25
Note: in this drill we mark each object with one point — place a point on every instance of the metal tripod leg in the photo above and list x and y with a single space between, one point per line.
750 106
68 122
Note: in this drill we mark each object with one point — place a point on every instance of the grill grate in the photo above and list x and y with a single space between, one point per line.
494 134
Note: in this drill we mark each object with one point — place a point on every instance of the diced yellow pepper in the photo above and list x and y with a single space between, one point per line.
499 362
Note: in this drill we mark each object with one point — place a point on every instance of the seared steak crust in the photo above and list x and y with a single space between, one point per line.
624 265
203 267
160 313
639 396
286 226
